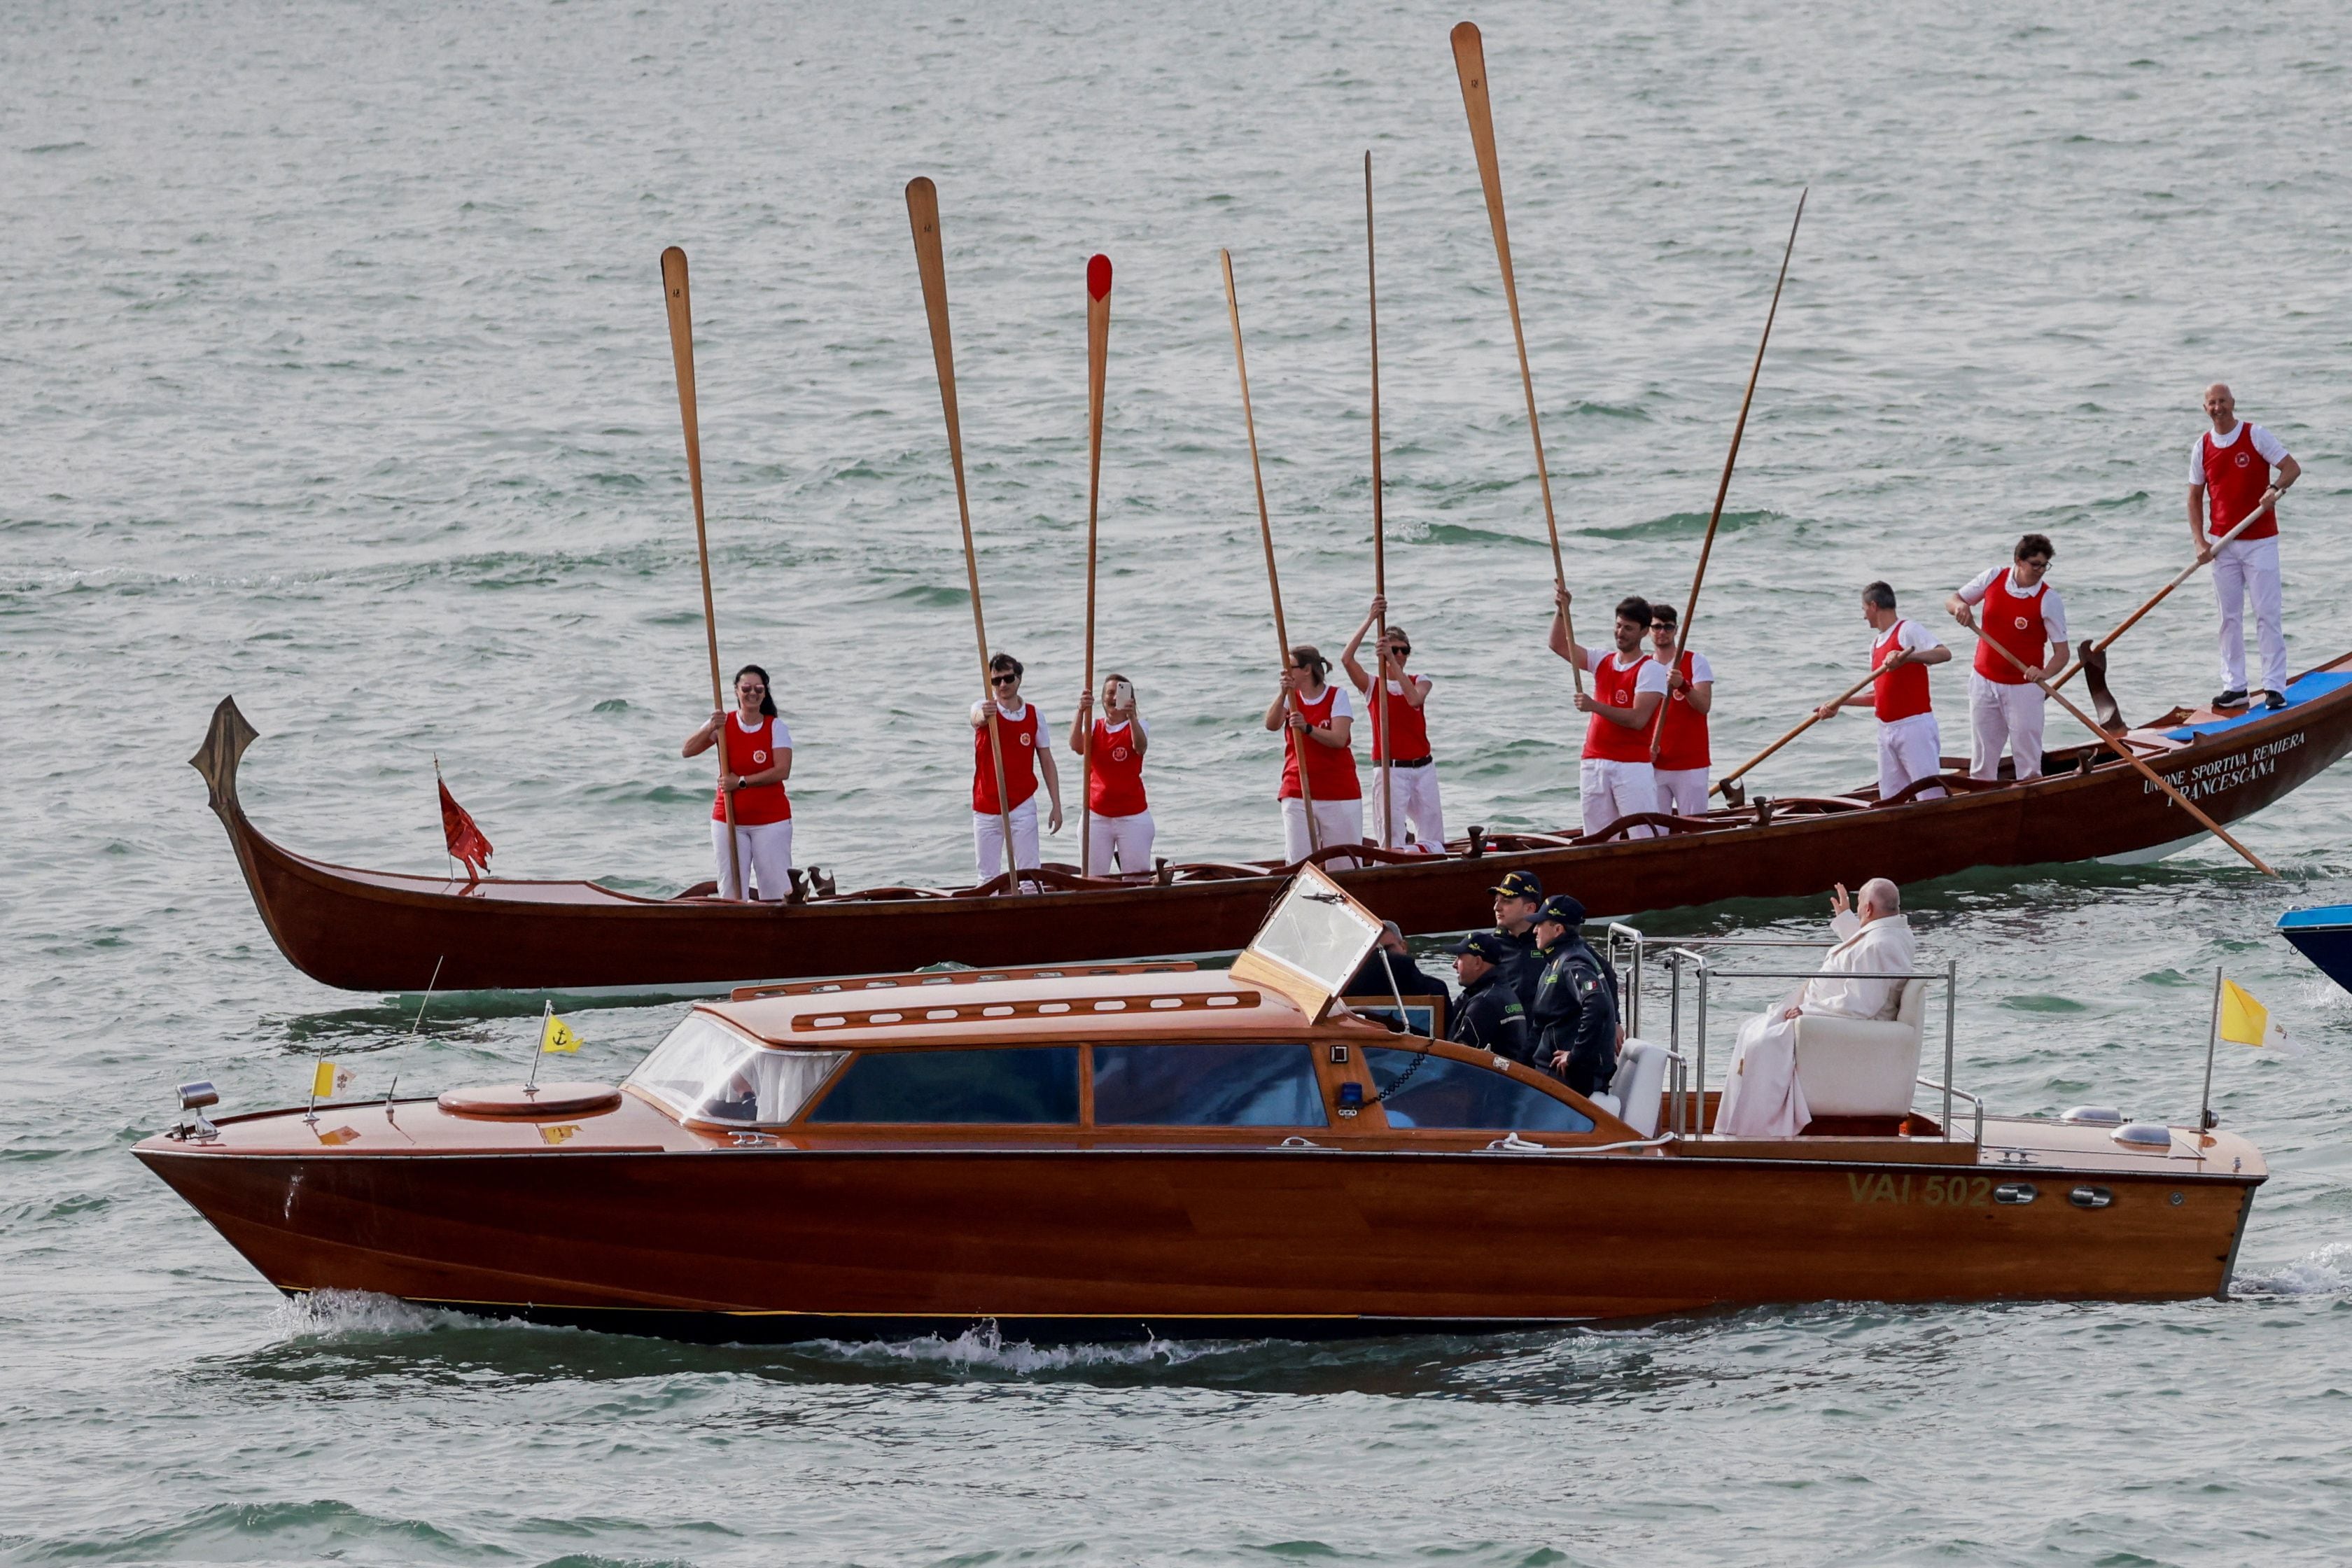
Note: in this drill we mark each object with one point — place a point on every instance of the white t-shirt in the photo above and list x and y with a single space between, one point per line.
2054 608
2273 449
1652 678
1909 636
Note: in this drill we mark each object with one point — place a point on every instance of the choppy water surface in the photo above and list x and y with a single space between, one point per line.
335 377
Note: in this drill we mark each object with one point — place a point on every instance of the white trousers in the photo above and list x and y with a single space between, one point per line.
1415 792
1121 841
1336 821
2246 567
988 839
1909 749
2005 714
1682 792
766 851
1611 790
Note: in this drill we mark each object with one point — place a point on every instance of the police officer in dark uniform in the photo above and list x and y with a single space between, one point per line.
1575 1015
1487 1014
1517 898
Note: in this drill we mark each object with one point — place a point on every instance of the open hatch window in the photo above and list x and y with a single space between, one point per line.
1207 1086
1312 945
705 1071
1443 1092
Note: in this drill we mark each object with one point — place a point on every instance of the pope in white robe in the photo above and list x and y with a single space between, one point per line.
1761 1098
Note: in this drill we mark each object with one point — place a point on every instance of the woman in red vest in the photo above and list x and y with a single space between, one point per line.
1119 822
759 761
2011 608
1680 733
1321 729
1412 770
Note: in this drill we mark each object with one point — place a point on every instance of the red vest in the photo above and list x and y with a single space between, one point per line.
1412 727
1903 693
2013 621
1021 738
1680 729
1614 688
752 751
2235 477
1117 788
1331 769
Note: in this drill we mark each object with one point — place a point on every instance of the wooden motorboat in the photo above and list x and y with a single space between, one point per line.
1125 1150
385 931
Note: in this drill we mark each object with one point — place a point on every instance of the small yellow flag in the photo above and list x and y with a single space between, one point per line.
556 1037
2246 1022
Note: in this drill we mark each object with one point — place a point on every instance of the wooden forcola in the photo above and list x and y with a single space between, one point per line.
681 350
931 261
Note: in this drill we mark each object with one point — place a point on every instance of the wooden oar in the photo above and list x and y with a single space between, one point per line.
1723 486
681 353
1297 742
2269 501
931 260
2122 747
1386 748
1470 65
1098 362
1812 719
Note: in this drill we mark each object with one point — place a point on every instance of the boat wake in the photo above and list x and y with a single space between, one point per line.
2326 1271
983 1347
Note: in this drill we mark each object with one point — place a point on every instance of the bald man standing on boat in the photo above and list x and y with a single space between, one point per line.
1859 979
2231 474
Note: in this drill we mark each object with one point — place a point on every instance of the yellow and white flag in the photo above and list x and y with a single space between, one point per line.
328 1080
556 1039
2247 1022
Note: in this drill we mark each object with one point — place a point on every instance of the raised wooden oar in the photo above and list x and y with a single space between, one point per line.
1723 486
2122 747
2269 501
681 353
1385 748
1470 65
1297 742
1812 719
1098 362
931 260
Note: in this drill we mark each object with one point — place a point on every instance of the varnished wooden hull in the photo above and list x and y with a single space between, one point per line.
388 932
780 1242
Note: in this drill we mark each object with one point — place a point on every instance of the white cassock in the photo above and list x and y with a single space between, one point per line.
1761 1098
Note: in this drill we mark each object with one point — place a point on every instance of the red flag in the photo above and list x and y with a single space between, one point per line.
465 840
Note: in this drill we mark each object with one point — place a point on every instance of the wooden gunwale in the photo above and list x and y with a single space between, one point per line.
386 932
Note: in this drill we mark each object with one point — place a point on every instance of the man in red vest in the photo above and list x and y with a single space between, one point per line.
2230 473
2025 615
1910 745
1628 687
1680 735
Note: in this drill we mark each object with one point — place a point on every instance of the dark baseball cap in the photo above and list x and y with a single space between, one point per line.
1563 910
1519 885
1487 944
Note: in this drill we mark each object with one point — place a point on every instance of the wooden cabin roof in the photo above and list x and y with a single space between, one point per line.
1190 1005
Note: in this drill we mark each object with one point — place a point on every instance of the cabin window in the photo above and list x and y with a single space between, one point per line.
706 1071
1445 1093
1028 1084
1207 1086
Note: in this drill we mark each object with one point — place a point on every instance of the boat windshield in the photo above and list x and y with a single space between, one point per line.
1312 943
706 1071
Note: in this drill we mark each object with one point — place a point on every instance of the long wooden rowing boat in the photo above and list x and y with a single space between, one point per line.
388 931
